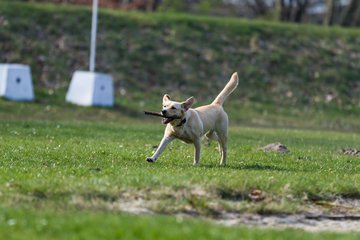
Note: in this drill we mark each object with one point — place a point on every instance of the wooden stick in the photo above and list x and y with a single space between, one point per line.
153 114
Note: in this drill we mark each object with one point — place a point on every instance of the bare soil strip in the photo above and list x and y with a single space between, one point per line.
339 215
344 215
297 221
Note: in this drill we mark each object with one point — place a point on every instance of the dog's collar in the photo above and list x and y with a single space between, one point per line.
183 121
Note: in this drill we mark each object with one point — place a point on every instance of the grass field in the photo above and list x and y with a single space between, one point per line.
16 224
57 178
69 172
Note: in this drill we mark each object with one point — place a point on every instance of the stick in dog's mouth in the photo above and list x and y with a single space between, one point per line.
165 119
153 114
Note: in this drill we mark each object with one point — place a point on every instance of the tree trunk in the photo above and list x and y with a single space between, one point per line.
356 17
258 7
277 10
286 10
329 14
300 10
348 15
261 6
156 4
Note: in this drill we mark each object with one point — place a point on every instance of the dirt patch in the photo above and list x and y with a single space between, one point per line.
275 147
350 151
306 222
312 223
137 206
236 209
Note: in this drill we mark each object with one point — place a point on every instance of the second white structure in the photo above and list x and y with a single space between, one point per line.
91 89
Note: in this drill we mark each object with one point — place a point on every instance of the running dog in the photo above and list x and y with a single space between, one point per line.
189 125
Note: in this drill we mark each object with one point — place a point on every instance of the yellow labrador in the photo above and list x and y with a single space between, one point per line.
189 125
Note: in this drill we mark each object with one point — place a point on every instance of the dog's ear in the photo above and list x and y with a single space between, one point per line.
166 98
188 103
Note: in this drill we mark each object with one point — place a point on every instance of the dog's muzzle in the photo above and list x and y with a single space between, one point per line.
168 119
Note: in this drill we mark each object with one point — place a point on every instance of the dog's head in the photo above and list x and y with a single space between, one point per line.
175 110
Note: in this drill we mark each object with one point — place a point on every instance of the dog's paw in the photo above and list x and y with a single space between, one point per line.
150 160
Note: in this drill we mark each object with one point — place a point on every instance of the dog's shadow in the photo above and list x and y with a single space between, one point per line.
255 167
258 167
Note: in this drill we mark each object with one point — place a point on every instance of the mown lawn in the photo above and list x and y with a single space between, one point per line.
44 224
59 157
68 179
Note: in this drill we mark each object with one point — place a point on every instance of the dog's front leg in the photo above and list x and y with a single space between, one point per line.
164 142
197 144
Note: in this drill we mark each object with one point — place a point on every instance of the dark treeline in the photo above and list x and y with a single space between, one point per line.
327 12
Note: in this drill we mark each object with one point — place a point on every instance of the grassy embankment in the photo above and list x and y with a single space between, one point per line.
291 75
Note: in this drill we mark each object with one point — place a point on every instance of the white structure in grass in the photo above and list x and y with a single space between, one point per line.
91 88
15 82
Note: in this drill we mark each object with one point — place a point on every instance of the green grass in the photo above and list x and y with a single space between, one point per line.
89 225
59 157
74 176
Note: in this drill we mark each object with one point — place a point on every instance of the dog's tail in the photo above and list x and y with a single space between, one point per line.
230 86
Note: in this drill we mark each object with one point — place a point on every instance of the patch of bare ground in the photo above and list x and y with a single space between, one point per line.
313 223
251 210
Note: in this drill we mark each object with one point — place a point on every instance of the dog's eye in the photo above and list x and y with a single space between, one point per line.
173 108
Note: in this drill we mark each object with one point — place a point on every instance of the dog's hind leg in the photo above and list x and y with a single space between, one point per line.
222 133
223 148
210 136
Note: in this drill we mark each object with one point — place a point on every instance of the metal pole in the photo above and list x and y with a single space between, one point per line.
93 35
